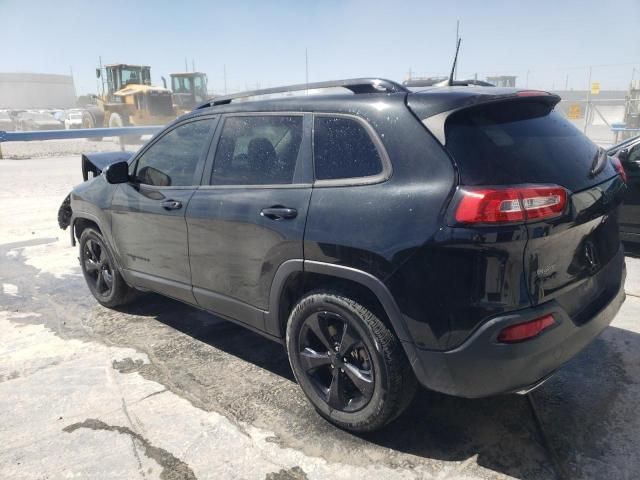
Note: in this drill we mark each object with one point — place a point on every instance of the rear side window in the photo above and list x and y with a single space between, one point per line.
342 148
257 150
520 142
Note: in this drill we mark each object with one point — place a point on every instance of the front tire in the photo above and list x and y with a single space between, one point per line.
100 272
348 363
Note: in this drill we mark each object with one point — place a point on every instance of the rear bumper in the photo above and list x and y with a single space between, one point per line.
481 366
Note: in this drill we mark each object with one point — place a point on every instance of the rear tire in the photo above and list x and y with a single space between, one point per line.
100 271
357 376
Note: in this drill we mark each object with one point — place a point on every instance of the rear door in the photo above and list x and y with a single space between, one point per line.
249 216
630 212
575 257
148 221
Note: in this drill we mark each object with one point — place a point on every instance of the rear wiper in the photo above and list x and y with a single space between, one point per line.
599 162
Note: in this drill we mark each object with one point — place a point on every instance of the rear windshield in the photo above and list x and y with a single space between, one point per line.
521 142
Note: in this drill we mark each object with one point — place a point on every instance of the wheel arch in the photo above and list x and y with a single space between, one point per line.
80 223
295 278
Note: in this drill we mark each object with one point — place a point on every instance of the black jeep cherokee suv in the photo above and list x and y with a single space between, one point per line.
466 237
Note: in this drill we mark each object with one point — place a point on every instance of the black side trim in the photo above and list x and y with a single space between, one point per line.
272 324
170 288
372 283
271 318
230 308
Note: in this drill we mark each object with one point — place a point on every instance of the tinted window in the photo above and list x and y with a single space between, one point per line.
342 148
173 159
257 150
520 142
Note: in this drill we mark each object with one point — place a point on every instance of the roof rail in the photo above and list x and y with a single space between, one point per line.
356 85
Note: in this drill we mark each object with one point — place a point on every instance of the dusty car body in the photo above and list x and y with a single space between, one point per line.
465 239
73 119
38 121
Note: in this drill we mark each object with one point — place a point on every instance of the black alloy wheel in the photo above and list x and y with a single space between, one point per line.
336 361
100 271
98 267
348 361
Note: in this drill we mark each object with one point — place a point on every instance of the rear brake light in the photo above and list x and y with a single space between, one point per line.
524 331
617 164
510 204
532 93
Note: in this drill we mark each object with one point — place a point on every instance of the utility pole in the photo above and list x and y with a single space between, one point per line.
566 83
101 79
224 73
186 68
527 82
588 107
306 68
193 65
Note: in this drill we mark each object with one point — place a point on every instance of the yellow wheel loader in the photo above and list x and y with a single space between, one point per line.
128 98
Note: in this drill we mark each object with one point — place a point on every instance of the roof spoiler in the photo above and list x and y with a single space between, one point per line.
356 85
438 107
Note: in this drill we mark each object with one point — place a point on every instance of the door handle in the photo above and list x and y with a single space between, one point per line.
171 205
278 213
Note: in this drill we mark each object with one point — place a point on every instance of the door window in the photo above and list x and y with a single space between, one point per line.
257 150
342 148
173 159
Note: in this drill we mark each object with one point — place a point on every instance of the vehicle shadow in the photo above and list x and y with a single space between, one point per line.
588 423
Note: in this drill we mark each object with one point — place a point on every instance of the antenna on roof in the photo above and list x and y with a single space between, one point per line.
455 61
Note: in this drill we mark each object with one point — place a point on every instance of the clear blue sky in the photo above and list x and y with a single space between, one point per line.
264 42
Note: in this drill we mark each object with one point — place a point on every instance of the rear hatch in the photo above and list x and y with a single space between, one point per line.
551 177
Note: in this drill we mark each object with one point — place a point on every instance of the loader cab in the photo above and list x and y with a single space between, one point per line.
189 89
122 75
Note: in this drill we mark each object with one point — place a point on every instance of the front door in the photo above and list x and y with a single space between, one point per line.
250 218
148 220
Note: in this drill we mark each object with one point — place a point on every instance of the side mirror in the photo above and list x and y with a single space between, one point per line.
117 172
623 155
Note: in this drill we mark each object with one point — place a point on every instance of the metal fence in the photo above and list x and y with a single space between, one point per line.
602 120
122 132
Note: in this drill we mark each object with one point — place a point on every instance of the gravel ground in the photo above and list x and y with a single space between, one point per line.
163 390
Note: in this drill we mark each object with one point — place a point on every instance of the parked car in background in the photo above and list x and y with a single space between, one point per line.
37 121
57 114
73 118
6 122
466 238
628 154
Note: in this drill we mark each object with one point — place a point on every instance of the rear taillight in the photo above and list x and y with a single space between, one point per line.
509 204
525 331
532 93
617 164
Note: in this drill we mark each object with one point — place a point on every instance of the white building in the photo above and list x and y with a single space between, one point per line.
36 90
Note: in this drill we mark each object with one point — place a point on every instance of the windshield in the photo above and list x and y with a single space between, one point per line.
181 84
131 76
